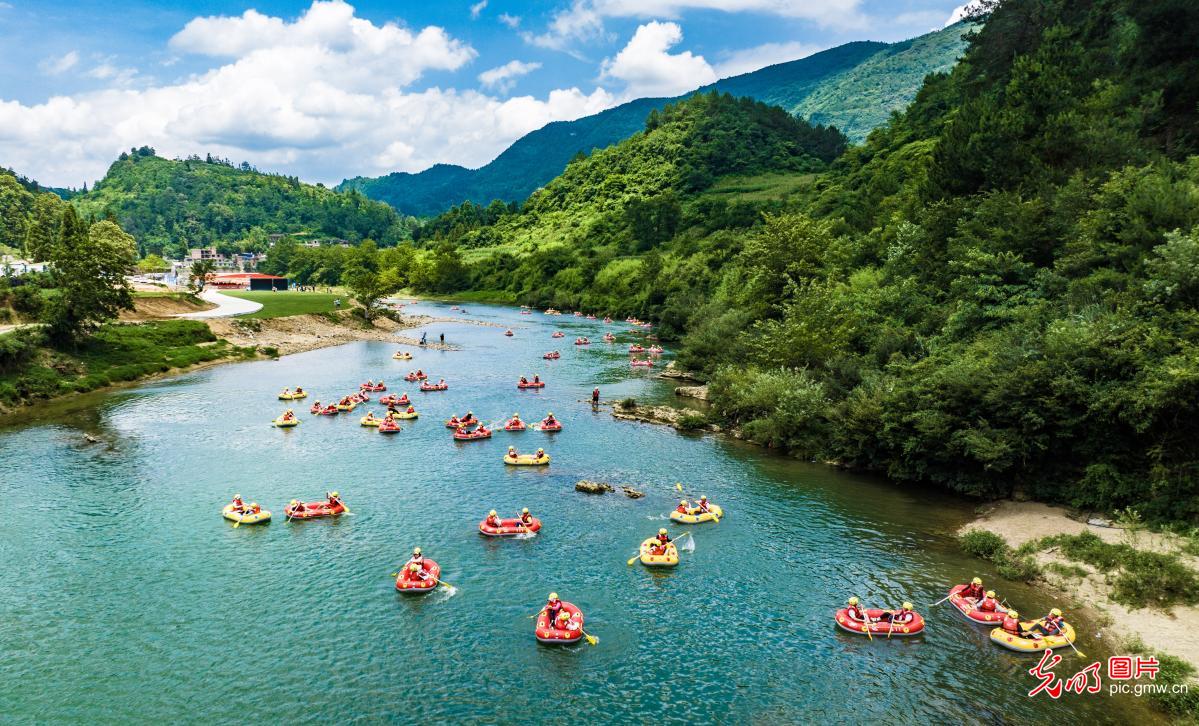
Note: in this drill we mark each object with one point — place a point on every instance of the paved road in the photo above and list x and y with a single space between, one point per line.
226 306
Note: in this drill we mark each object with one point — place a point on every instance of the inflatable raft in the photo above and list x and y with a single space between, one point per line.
347 407
389 427
879 627
413 377
435 386
1004 639
549 428
552 356
287 424
545 633
402 355
558 334
377 388
531 384
464 435
293 396
314 510
371 421
455 423
405 414
694 516
246 518
668 559
514 425
527 460
327 411
418 586
971 613
509 527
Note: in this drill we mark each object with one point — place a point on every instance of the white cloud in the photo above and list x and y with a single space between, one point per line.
322 97
960 12
477 9
60 65
648 69
583 20
115 75
760 56
512 21
503 78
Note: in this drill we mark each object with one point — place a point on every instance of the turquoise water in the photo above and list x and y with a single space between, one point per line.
127 597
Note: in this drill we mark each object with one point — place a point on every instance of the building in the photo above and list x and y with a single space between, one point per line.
247 281
11 266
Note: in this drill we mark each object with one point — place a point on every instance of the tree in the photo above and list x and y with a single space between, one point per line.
44 219
152 263
369 287
89 267
198 276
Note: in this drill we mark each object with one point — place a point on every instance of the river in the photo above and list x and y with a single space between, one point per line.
126 597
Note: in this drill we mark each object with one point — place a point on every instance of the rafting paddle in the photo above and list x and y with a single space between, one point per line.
591 639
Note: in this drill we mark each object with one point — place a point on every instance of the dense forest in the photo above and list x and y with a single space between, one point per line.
169 206
996 292
853 87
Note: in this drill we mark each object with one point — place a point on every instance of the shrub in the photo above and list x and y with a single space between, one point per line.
270 351
692 421
628 404
982 543
1009 563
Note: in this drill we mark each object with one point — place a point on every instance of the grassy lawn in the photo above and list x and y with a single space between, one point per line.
282 304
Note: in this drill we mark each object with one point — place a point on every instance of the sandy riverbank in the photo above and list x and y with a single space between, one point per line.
1174 631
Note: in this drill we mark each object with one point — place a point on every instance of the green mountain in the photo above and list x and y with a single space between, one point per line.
854 87
997 293
171 205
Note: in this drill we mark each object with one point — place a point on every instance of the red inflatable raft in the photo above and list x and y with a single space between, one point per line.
417 586
558 334
457 423
973 614
389 426
556 636
392 400
531 384
879 627
377 388
514 425
435 386
413 377
550 428
313 510
479 433
552 356
509 527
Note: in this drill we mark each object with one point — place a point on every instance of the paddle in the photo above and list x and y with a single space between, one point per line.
891 629
591 639
941 600
448 585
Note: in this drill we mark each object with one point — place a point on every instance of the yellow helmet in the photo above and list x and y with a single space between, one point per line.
491 513
976 581
525 510
1057 613
549 414
852 601
253 504
990 593
289 410
541 451
563 615
413 567
662 531
682 501
237 496
1013 614
703 496
907 606
293 502
553 596
335 495
416 550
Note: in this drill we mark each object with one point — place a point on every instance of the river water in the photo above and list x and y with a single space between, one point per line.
126 597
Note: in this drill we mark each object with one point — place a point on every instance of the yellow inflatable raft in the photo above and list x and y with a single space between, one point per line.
694 516
245 518
369 421
292 396
286 424
402 355
404 414
527 460
347 406
670 559
1005 639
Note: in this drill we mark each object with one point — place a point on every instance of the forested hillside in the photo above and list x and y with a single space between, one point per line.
169 206
854 87
996 292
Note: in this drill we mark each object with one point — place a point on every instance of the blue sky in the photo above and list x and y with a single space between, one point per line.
326 89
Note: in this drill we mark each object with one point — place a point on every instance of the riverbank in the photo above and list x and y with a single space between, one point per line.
1087 582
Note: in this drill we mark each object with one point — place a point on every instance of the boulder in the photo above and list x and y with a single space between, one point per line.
632 493
593 487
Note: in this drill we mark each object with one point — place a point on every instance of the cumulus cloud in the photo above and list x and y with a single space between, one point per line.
760 56
58 66
477 9
647 68
578 23
512 21
961 11
504 77
324 96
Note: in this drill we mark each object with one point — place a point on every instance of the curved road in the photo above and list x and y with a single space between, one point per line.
226 306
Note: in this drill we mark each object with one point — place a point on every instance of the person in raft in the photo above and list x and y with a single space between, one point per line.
903 616
540 454
553 607
391 410
536 379
549 417
512 451
289 415
370 415
411 410
526 518
659 548
988 604
238 505
565 622
682 508
415 572
973 591
420 373
334 499
286 392
296 506
1011 624
493 519
416 559
854 612
254 508
703 504
299 391
440 381
524 381
370 383
1052 624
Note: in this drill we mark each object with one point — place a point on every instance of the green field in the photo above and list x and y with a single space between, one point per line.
282 304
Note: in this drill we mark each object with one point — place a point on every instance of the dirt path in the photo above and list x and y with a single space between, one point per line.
1175 631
